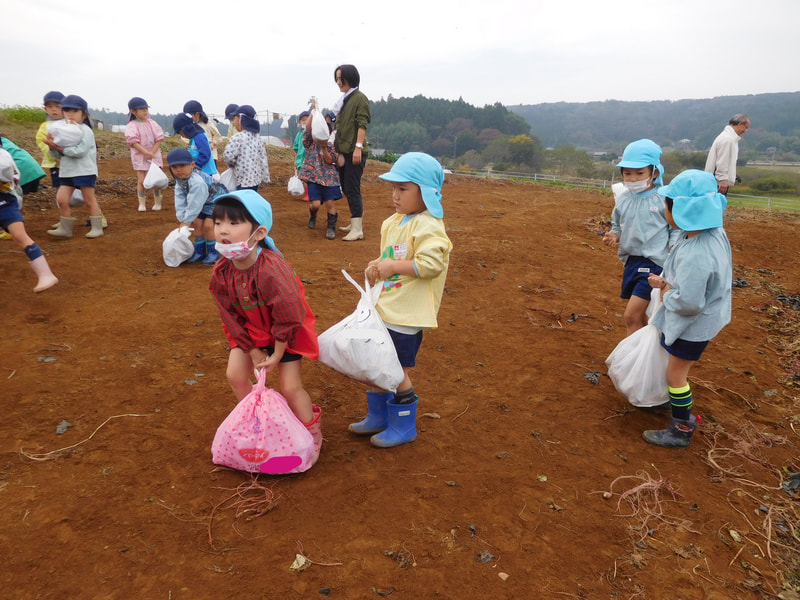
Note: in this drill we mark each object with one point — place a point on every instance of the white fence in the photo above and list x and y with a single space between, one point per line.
742 200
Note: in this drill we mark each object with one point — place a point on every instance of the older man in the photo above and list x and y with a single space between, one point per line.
724 151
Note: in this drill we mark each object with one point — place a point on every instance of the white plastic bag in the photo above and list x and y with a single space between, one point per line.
228 179
296 187
638 365
155 178
359 345
319 126
177 247
77 198
65 134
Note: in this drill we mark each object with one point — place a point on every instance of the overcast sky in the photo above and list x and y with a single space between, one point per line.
269 54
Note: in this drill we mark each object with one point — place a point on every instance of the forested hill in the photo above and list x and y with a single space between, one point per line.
613 123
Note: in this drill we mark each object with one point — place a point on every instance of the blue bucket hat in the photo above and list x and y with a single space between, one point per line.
179 156
74 102
53 96
305 113
186 124
231 111
137 102
248 118
193 106
641 154
696 203
426 172
259 209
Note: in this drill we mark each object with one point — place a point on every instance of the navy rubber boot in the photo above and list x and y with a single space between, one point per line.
376 419
199 252
677 435
402 426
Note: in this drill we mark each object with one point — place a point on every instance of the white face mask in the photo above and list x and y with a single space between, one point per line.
637 187
235 251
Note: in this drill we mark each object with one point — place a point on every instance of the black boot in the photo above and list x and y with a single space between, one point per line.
312 219
331 233
677 435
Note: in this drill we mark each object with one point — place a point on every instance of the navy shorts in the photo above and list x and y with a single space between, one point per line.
685 349
407 346
80 181
10 213
634 279
323 193
287 356
56 180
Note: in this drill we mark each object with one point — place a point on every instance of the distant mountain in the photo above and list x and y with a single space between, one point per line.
612 124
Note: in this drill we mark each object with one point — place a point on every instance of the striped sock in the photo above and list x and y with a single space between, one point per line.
681 401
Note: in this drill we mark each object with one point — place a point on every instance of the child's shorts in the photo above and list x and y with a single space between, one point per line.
54 178
81 181
287 356
10 213
685 349
407 346
207 211
323 193
634 279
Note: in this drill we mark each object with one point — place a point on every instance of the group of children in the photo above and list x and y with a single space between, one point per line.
668 236
671 237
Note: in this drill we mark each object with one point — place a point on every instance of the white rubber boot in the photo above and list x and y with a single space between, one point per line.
347 227
356 233
65 227
97 227
45 275
157 201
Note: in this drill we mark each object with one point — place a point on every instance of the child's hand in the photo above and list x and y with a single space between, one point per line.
610 239
269 363
372 272
656 281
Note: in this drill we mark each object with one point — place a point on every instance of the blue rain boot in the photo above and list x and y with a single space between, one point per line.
376 418
199 251
402 425
212 255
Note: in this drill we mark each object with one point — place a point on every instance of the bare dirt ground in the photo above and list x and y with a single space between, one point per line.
529 478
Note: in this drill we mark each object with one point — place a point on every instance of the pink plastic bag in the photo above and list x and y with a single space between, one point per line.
263 435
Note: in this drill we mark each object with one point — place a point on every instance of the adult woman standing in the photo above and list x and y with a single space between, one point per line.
352 118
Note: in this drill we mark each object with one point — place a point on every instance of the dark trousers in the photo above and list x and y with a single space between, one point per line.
350 178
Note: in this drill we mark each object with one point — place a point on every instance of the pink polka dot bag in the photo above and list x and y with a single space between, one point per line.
263 435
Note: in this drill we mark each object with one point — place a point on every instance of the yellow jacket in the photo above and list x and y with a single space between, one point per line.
48 161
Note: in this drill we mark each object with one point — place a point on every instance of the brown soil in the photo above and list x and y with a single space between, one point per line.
502 493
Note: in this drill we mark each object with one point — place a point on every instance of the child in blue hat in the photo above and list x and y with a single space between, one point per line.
262 303
144 136
696 292
415 254
639 229
195 192
199 146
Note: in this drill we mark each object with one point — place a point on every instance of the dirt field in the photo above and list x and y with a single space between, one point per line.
520 434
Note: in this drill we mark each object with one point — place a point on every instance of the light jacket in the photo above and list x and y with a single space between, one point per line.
723 155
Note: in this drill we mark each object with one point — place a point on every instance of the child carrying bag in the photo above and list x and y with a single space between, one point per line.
263 435
177 247
155 178
228 179
638 365
359 345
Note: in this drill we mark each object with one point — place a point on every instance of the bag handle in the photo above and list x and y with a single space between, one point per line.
261 379
374 291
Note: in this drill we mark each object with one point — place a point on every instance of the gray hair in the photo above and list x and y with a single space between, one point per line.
738 119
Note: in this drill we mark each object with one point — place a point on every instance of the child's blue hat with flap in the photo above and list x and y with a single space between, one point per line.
259 209
426 172
53 96
696 203
193 106
179 156
186 124
641 154
75 103
248 118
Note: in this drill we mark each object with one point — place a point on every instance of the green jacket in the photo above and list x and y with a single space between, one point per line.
29 169
353 116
